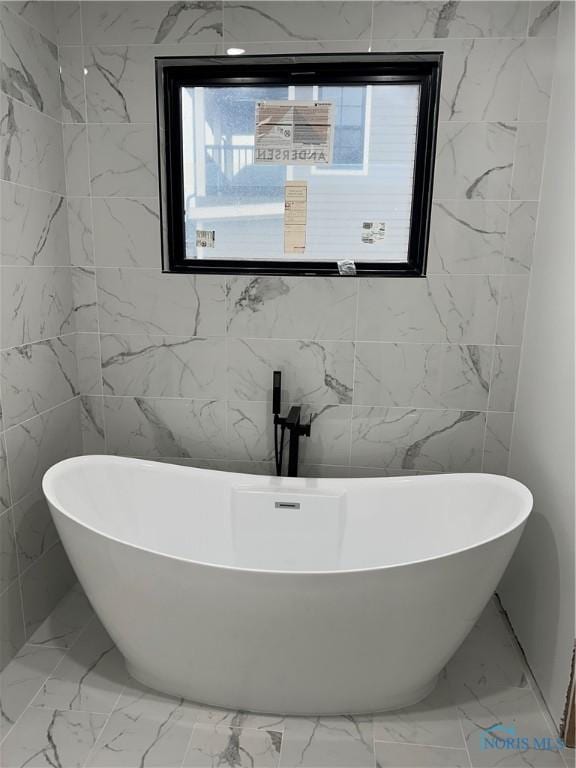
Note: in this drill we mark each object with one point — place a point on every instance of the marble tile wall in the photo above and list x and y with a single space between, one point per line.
398 376
39 385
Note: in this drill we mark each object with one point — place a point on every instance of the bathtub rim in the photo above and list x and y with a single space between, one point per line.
48 479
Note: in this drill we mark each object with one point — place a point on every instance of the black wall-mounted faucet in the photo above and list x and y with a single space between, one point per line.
291 422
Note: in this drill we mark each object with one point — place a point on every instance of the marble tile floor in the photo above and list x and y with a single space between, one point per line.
67 702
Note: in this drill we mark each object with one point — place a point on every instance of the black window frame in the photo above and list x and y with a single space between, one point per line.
172 74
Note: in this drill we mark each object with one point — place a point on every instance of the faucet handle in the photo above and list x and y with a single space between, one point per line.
276 392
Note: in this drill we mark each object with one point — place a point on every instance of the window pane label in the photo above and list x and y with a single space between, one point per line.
294 132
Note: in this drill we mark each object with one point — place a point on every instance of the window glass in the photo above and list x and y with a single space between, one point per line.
370 178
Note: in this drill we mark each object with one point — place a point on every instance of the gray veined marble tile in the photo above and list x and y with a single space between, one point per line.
21 680
246 467
67 621
497 442
51 737
117 23
481 79
30 147
44 584
92 424
220 465
72 83
90 678
250 433
298 46
164 366
313 371
528 161
467 237
38 14
327 470
120 84
488 659
140 701
414 756
38 443
539 54
330 742
126 232
329 441
8 557
520 237
36 377
474 160
80 231
512 306
123 160
145 728
29 64
5 498
439 19
147 301
158 427
84 316
543 20
285 21
455 309
291 307
212 746
512 708
402 438
88 360
216 717
12 634
504 378
75 139
36 304
378 472
34 228
433 722
422 375
34 529
68 21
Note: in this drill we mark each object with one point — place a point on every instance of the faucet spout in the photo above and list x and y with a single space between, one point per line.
293 418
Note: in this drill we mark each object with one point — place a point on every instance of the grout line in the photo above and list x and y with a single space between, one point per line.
48 676
40 341
360 42
101 731
37 416
354 360
100 385
28 23
306 403
30 108
463 736
417 744
38 559
532 681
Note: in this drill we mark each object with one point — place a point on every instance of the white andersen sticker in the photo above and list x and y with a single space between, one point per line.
294 132
205 238
373 231
295 216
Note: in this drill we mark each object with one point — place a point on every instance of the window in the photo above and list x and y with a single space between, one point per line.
319 165
350 123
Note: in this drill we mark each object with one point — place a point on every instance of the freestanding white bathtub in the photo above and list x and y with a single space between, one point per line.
285 595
